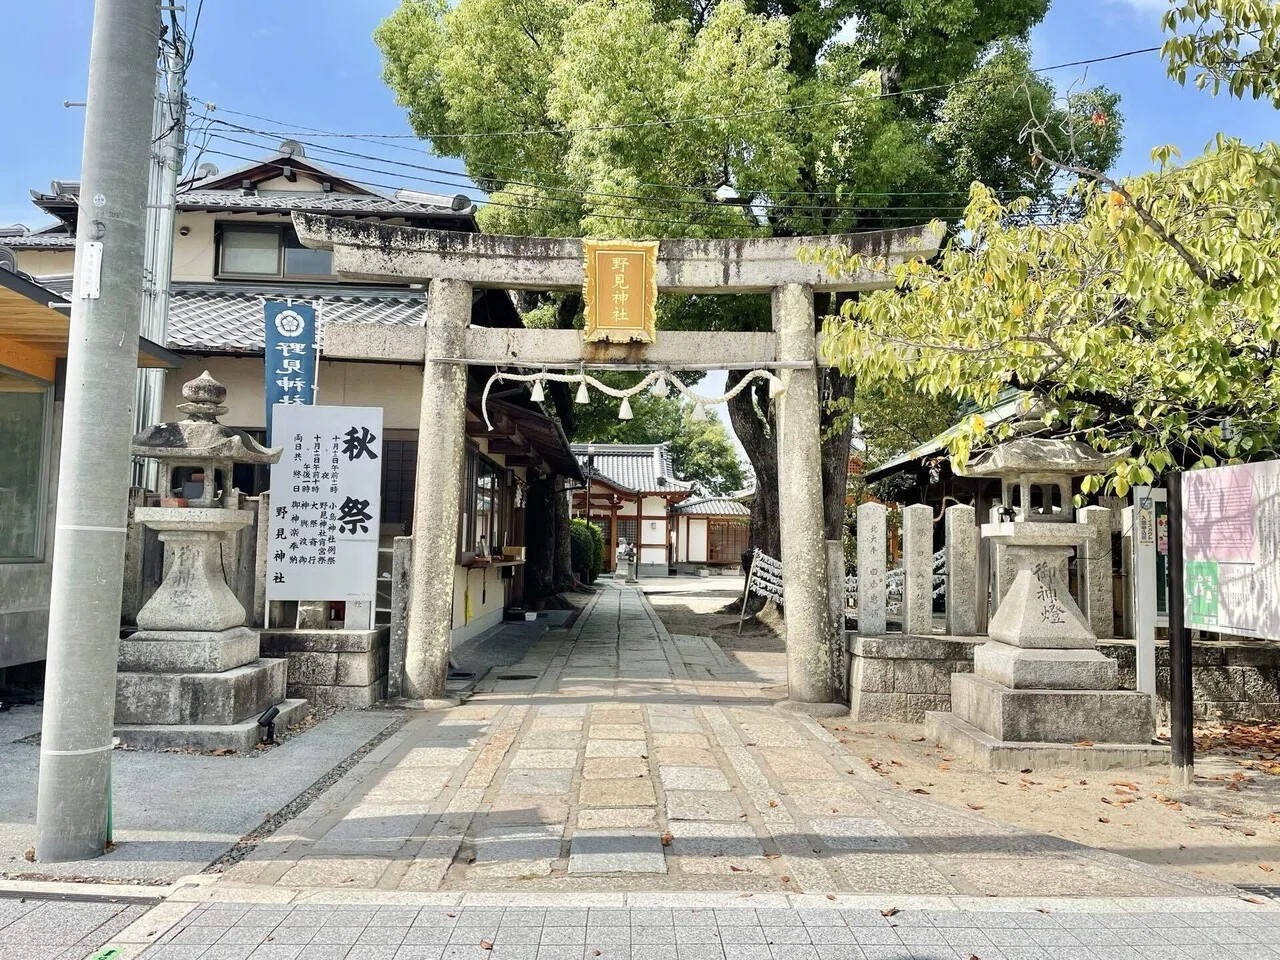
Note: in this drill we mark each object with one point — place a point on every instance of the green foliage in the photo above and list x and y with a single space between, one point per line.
611 101
1152 325
1226 43
701 450
586 549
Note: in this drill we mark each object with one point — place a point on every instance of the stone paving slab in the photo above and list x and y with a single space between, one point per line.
642 762
648 926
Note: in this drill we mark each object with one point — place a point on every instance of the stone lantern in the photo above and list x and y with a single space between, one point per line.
191 676
1040 680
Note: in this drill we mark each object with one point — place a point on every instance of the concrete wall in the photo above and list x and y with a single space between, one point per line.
24 587
488 592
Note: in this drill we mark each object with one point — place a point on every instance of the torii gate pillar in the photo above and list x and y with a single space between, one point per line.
810 631
441 458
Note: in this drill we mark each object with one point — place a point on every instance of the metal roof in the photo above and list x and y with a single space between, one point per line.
712 507
219 319
638 467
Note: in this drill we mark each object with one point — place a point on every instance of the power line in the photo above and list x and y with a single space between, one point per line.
570 194
888 217
700 118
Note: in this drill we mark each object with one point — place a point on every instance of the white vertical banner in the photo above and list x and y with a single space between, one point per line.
326 503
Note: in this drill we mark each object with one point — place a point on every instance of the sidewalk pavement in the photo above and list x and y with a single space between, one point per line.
615 757
657 927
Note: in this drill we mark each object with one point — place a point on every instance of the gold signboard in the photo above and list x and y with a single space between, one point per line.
622 290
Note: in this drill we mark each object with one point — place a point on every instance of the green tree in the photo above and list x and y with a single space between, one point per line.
1151 326
701 450
1235 43
637 118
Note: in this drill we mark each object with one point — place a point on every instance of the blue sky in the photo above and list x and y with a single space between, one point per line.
313 62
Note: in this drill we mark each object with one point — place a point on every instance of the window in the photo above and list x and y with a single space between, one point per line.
485 505
628 530
726 540
399 472
23 438
266 250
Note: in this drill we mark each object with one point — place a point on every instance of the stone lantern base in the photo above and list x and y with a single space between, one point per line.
192 678
1040 693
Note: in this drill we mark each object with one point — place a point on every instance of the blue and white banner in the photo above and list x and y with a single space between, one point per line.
290 357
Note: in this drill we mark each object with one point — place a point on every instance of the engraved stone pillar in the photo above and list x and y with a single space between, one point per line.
1096 601
810 643
917 562
401 588
442 427
872 561
962 571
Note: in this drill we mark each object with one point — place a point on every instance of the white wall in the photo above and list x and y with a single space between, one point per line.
395 388
697 552
42 263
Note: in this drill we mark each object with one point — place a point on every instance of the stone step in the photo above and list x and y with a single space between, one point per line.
1052 716
200 698
967 741
241 737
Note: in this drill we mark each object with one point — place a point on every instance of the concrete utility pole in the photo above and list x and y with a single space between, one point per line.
88 555
168 130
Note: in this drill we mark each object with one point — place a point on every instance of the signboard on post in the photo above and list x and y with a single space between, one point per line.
1231 549
621 295
290 355
325 504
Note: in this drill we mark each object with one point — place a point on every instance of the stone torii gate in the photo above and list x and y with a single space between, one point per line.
453 264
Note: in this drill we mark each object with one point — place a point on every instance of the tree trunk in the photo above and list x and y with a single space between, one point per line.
835 452
751 414
563 578
540 554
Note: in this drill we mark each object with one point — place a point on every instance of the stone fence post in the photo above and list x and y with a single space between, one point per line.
917 563
872 560
401 585
962 570
1094 569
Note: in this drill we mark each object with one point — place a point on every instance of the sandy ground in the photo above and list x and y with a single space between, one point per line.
1226 826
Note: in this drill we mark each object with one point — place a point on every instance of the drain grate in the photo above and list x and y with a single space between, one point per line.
518 676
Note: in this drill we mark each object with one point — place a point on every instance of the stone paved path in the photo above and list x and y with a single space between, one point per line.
33 929
615 757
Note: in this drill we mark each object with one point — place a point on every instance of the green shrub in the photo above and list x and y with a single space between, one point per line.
586 549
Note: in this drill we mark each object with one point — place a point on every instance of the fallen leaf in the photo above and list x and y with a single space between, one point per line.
920 790
1104 820
1043 910
595 953
486 944
975 806
773 803
1083 783
1249 833
1026 770
1083 743
1108 800
944 766
736 869
831 896
889 912
667 839
1005 782
223 752
1125 784
1265 867
29 854
772 856
917 739
785 878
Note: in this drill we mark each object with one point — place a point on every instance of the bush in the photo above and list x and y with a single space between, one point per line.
586 548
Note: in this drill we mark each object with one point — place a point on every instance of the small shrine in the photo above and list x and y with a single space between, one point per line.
1039 681
191 676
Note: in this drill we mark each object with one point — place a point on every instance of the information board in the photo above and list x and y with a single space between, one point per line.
1232 549
325 503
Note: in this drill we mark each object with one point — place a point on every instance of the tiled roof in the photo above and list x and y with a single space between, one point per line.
207 317
39 241
713 507
642 467
335 203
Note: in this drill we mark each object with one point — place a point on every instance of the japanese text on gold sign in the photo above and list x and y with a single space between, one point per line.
621 290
